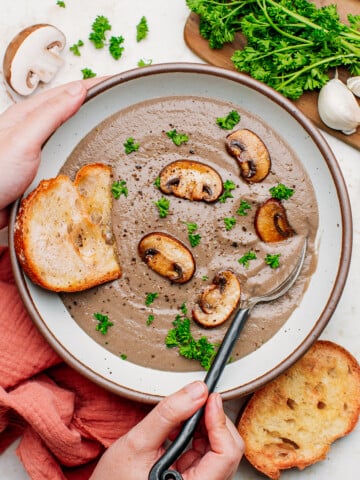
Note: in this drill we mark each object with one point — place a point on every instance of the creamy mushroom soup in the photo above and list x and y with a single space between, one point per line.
142 305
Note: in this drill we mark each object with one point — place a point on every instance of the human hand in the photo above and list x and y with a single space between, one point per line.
24 127
215 453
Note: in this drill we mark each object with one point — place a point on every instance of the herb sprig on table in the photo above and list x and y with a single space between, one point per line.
291 44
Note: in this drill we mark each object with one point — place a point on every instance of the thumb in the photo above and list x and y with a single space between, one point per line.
156 427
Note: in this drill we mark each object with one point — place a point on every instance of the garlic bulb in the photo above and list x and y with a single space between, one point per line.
338 107
353 83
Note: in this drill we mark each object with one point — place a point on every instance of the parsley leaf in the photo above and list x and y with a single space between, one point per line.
99 27
150 320
88 73
177 138
144 63
273 260
281 192
130 145
150 297
243 208
194 238
230 222
103 324
142 29
245 259
229 121
228 186
115 48
157 182
61 4
180 336
123 356
75 48
119 188
163 207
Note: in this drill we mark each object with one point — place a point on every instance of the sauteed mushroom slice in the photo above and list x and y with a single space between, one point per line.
167 256
271 223
251 153
218 301
191 180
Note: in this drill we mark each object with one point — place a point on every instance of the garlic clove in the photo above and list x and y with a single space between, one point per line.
338 107
353 83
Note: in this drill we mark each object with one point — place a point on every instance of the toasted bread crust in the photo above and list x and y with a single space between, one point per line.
63 236
292 421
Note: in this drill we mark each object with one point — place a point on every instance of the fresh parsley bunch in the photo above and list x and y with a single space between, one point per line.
291 44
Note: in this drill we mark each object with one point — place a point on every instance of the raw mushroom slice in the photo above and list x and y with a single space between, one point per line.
167 256
218 301
191 180
271 223
33 56
251 153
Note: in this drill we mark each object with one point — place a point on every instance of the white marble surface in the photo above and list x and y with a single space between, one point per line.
166 19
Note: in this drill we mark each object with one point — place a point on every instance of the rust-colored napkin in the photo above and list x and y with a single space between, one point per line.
65 421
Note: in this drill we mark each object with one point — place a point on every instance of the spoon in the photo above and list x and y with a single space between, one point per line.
160 470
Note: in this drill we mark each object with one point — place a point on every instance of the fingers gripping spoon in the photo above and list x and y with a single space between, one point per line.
160 470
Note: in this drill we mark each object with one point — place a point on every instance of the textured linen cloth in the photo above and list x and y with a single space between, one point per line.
65 421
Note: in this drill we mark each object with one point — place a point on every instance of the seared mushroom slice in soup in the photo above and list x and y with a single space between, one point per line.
218 301
33 56
251 153
167 256
271 222
191 180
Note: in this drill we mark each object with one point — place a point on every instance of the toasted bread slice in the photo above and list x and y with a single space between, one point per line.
63 233
292 421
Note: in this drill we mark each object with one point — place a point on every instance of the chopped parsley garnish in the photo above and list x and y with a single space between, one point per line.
204 278
61 4
142 29
281 192
115 47
119 188
76 48
229 121
245 259
123 356
150 297
177 138
99 28
230 222
150 320
228 186
144 63
194 238
87 73
183 308
163 206
157 182
273 260
130 145
243 209
181 337
103 324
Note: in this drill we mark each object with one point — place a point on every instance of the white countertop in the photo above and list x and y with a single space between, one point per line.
166 20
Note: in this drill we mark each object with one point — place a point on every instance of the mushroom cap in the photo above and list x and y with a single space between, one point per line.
251 153
271 222
33 56
191 180
167 256
218 301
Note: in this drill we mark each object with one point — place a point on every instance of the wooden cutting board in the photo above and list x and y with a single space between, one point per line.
307 103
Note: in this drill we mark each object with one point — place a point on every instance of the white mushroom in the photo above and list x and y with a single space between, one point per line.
33 56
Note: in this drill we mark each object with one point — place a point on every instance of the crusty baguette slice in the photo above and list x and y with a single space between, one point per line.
63 233
292 421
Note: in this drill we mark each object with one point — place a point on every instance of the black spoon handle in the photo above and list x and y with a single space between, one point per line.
159 470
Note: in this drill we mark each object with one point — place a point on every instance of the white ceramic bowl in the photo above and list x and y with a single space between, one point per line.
334 234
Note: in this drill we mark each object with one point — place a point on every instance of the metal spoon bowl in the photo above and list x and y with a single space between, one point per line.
160 469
